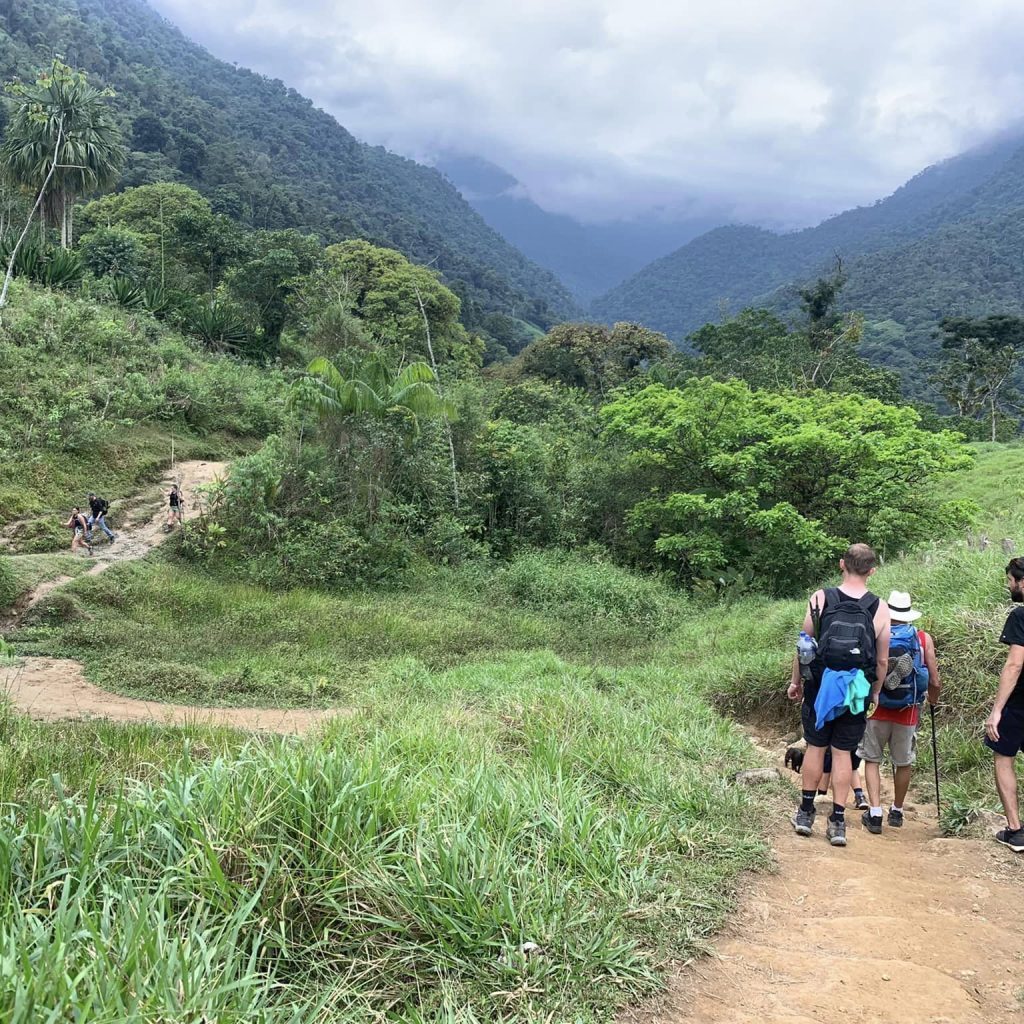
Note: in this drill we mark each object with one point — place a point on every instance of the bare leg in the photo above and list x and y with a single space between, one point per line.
814 761
901 777
873 778
1006 784
824 782
841 772
855 780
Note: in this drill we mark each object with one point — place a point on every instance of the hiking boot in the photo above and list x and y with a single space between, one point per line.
895 818
862 802
1013 838
112 539
873 823
836 831
803 822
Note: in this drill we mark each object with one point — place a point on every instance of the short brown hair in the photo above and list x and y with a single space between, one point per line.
1016 569
859 559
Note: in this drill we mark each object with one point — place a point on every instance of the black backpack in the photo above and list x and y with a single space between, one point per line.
104 506
846 635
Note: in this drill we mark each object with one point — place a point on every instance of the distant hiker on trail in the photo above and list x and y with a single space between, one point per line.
176 512
98 509
79 527
1004 728
840 664
912 675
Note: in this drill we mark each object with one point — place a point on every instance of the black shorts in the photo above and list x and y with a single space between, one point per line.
1011 733
844 732
827 769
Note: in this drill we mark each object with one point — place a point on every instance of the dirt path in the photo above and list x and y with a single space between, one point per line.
53 689
138 532
902 928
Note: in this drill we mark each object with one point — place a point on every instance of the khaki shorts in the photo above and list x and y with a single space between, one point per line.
901 740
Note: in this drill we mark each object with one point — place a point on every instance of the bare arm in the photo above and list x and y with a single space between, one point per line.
883 627
796 684
1007 683
932 664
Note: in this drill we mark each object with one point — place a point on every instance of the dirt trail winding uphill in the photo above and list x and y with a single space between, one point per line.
53 689
902 928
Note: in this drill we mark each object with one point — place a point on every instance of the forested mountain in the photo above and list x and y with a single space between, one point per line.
946 242
266 155
588 258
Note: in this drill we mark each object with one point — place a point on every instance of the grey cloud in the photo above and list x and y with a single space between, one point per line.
773 110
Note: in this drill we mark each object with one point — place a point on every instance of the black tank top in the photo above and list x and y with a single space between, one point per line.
834 595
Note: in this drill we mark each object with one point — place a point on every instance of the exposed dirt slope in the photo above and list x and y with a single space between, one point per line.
902 928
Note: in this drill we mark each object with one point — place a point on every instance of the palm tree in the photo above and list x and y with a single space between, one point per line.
372 388
376 390
62 141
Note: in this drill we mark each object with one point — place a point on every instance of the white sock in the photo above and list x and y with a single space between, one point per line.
875 812
895 808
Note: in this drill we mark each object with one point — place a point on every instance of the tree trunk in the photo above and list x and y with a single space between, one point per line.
440 394
32 213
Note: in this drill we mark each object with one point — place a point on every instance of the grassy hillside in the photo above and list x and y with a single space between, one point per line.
504 779
95 397
529 756
265 154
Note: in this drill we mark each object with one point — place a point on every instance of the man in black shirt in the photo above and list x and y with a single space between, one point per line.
98 509
842 732
1004 728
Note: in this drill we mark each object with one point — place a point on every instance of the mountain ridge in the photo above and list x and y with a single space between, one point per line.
265 151
729 268
588 258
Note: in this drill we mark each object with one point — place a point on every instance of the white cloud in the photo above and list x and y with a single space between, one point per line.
780 110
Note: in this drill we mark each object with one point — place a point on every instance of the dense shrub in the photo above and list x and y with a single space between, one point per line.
778 483
584 590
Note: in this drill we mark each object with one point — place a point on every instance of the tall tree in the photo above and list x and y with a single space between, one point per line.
593 357
979 359
61 136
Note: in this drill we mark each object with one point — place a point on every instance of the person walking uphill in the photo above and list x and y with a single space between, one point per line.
1004 728
98 509
912 674
850 630
79 528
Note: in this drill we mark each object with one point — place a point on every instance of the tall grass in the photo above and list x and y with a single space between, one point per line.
170 632
399 866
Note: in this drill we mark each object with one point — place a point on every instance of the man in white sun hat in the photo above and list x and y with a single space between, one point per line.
913 675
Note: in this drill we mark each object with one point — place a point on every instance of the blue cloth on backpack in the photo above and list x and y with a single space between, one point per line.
840 692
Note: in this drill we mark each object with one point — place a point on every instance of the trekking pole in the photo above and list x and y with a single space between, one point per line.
935 762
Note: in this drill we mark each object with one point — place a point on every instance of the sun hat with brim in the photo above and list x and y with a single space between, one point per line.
901 608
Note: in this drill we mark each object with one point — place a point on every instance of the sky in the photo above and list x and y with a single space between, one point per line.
779 112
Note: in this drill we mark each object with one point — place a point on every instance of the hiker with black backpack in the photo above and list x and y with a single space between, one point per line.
912 674
98 509
837 673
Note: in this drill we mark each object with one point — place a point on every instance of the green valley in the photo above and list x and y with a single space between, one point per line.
529 588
